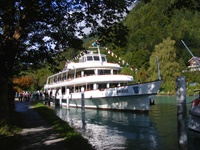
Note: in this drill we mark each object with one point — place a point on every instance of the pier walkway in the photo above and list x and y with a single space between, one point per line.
36 134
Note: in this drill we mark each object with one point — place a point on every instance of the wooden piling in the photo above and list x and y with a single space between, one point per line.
181 112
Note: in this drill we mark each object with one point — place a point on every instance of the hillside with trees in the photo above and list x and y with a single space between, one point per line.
153 28
158 27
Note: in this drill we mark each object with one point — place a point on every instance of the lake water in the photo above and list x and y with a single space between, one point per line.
114 130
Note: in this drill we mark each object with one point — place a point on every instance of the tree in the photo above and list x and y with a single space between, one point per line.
141 59
187 4
22 83
33 32
169 66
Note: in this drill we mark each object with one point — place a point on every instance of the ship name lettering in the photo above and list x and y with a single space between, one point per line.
122 91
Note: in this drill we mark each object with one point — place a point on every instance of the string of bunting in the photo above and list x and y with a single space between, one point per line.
109 52
120 59
96 43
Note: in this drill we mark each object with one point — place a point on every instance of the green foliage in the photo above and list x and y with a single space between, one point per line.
116 34
127 71
146 25
13 127
192 77
141 59
186 4
151 22
169 66
141 75
9 133
192 87
40 78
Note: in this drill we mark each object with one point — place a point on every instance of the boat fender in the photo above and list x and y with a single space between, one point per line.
196 102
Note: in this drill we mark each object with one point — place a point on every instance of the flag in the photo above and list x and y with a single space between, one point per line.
123 62
131 68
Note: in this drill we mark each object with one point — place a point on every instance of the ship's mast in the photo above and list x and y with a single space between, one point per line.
97 45
98 48
159 76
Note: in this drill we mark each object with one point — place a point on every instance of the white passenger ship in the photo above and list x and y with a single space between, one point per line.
94 83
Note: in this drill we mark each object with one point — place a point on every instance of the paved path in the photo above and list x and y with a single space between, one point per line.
37 134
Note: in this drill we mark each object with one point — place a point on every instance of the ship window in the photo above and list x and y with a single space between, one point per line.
96 58
112 85
102 72
102 87
103 59
63 90
115 71
106 71
89 72
89 87
89 58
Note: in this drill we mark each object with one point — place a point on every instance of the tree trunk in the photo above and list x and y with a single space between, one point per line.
11 98
4 105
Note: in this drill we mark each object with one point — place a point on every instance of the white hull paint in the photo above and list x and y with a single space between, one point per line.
135 97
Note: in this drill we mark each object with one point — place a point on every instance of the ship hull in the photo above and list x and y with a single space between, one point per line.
135 97
194 119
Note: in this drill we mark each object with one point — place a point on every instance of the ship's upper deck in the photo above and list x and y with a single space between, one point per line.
91 56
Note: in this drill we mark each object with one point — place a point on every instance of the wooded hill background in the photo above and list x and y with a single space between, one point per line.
155 28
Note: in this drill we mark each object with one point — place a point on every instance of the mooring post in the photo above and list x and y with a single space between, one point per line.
60 98
67 98
83 107
60 102
82 99
181 112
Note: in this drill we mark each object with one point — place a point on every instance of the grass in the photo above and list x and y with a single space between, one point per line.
73 139
10 133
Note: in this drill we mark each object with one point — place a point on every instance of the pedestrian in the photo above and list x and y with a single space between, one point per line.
19 96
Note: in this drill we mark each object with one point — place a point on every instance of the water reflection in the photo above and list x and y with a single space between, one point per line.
182 126
113 130
158 130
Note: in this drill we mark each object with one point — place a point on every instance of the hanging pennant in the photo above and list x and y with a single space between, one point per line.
123 62
127 65
131 68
